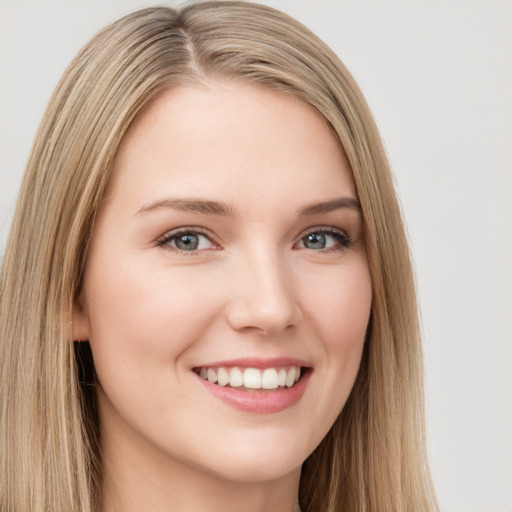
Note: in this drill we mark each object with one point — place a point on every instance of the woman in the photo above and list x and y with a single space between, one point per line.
221 309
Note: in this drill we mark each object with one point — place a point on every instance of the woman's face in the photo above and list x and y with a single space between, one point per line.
227 261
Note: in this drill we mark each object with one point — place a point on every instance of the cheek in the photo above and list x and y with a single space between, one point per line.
339 312
144 315
143 323
339 307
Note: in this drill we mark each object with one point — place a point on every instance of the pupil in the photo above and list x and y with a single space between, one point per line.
187 242
315 241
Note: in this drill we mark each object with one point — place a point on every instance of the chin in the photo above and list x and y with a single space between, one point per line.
260 461
243 471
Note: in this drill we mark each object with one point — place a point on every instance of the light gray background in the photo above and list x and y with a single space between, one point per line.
438 76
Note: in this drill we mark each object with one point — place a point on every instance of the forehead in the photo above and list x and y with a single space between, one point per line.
233 139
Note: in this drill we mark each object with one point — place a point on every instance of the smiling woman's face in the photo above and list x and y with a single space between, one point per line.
227 256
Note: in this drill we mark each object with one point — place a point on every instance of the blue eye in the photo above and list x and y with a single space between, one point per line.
187 241
322 239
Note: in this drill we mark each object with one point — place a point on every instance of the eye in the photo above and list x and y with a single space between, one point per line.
187 240
324 239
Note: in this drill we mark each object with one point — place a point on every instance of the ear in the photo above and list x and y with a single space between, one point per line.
80 319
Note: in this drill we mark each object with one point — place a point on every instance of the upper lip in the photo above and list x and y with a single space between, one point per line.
257 362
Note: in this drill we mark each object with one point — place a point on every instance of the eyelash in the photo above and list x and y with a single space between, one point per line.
344 242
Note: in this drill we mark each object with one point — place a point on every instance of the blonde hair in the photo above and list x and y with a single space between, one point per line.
373 459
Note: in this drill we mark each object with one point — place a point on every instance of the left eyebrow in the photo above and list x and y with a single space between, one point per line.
331 205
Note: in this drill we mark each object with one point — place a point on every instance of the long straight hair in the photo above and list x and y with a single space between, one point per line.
373 458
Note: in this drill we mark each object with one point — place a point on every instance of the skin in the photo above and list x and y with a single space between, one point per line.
255 287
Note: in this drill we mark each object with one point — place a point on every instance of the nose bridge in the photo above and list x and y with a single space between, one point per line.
264 298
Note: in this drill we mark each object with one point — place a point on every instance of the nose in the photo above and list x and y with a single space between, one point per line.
263 299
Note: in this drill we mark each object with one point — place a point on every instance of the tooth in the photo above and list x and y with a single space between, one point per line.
211 375
290 377
236 378
252 378
269 379
223 377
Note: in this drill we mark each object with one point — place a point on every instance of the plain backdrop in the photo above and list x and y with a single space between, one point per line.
438 77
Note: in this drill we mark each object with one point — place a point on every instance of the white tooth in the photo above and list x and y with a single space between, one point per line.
297 374
202 373
281 379
269 379
290 377
236 378
252 378
223 377
211 375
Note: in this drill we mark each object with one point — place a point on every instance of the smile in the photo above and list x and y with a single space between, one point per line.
251 378
256 385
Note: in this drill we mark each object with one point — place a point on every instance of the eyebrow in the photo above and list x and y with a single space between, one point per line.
192 205
222 209
331 205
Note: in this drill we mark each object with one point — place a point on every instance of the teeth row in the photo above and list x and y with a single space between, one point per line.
252 378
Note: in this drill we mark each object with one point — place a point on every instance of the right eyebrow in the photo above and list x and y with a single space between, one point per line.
191 205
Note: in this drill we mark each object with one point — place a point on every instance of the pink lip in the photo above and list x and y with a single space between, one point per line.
256 362
259 401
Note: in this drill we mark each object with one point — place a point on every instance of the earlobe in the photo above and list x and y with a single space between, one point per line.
80 320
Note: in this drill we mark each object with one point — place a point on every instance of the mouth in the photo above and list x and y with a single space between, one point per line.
255 385
252 379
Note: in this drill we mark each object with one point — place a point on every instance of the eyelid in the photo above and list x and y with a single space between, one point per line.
323 229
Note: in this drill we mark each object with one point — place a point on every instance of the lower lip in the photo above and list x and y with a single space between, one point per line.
259 401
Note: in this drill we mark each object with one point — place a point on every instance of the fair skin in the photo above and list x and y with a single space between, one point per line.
229 236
